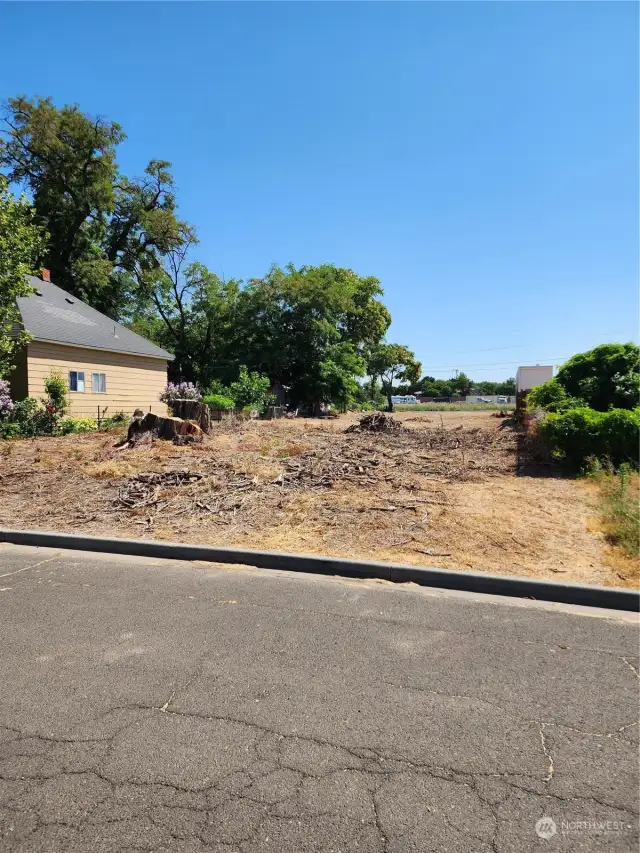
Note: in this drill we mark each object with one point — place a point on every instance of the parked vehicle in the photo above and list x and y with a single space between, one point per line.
501 400
406 398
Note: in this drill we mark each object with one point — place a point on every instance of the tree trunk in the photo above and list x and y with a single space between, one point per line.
193 410
154 426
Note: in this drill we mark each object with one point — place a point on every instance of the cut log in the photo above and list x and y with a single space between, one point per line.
155 426
193 410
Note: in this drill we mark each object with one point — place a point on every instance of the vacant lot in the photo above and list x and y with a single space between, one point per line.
446 490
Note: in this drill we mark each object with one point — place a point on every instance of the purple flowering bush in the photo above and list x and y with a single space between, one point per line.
6 403
180 391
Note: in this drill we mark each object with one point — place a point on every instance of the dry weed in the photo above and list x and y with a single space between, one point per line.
111 469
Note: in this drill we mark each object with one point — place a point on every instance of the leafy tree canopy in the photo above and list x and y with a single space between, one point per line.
107 231
393 363
604 377
22 243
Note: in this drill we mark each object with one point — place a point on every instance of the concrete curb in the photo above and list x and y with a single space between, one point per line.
613 598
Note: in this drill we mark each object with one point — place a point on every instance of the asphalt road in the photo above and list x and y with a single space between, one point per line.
155 705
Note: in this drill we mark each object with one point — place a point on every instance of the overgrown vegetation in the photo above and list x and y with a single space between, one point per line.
48 416
592 407
249 391
620 506
582 434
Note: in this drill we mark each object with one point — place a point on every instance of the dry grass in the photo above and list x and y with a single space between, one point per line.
111 469
445 492
617 521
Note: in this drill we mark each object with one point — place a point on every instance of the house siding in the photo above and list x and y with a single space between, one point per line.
133 381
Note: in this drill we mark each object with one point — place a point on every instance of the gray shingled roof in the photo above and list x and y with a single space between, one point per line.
52 314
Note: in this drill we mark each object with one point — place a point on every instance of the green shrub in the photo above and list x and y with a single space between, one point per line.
251 391
120 419
69 425
579 434
56 389
552 397
219 401
10 430
30 416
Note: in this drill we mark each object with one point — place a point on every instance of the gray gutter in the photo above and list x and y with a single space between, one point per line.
614 598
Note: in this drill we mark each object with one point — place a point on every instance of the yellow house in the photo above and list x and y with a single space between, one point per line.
106 366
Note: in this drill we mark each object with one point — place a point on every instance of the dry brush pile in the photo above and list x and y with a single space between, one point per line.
250 483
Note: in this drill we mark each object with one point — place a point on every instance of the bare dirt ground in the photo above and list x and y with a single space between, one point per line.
446 490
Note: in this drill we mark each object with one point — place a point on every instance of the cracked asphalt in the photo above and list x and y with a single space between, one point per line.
153 705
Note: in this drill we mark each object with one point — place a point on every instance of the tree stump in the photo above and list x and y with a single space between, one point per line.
193 410
155 426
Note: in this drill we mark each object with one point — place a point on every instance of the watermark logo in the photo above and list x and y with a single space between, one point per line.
546 827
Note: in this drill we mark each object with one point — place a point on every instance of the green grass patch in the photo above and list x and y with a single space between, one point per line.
455 407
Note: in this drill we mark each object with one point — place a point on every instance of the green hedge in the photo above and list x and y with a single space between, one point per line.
581 434
219 401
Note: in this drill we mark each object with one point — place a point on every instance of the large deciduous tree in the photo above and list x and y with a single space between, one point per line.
105 228
604 377
308 328
22 243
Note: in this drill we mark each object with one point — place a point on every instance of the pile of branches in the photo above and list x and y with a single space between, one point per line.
320 469
219 492
394 458
376 422
145 490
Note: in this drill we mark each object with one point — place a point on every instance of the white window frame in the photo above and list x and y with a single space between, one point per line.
103 383
79 382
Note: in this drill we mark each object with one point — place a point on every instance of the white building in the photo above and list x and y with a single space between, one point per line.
528 377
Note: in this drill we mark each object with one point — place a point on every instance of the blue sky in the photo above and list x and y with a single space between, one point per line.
480 159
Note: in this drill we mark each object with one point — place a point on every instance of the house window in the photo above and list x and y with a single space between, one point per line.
99 383
76 380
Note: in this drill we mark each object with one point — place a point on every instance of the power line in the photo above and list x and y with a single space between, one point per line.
537 361
512 346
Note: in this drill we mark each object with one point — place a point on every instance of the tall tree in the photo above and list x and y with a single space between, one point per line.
309 329
393 363
106 230
462 384
68 162
22 243
507 387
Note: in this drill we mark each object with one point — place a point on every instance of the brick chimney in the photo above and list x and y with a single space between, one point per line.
46 275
